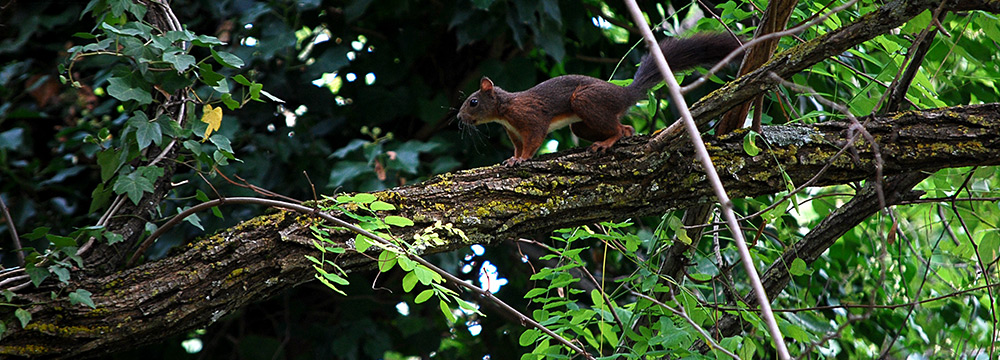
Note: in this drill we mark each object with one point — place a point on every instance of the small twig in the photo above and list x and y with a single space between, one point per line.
209 183
311 185
13 232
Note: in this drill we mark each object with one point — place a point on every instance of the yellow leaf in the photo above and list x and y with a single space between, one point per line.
212 117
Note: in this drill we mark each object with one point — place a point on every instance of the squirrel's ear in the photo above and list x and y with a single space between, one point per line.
485 84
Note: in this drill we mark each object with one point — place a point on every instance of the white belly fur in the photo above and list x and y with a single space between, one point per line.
563 122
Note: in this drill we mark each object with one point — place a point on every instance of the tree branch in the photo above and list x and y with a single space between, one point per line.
265 255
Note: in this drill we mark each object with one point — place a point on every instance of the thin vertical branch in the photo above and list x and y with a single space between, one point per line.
13 232
713 177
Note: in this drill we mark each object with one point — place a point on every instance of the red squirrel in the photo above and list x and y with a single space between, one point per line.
591 107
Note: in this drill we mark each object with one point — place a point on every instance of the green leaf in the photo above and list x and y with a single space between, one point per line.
362 243
193 219
424 274
410 281
328 284
227 59
406 264
398 221
534 292
193 146
221 142
446 310
100 197
134 185
60 241
255 91
242 80
36 274
146 132
423 296
381 206
125 90
227 99
113 238
205 40
750 145
23 315
798 267
386 260
110 161
364 198
81 296
179 59
208 75
62 273
528 337
36 234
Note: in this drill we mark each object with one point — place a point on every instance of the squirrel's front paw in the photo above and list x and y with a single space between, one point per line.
598 148
512 161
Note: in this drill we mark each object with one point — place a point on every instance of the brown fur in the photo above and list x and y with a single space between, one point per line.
590 106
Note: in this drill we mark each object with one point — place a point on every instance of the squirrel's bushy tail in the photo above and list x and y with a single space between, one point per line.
684 53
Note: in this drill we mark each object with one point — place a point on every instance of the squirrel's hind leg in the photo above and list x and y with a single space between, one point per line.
599 115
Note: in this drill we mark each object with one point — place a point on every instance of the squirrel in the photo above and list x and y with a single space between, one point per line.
591 107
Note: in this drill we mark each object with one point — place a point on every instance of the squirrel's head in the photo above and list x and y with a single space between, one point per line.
481 106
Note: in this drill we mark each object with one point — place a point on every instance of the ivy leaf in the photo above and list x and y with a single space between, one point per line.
113 237
61 273
146 132
205 40
212 117
227 99
227 59
36 274
110 161
60 241
222 143
125 90
134 184
209 76
81 296
24 316
193 219
179 59
242 80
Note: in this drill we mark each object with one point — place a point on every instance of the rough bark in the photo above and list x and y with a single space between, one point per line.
265 255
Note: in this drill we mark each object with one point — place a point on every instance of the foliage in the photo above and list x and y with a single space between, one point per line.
368 91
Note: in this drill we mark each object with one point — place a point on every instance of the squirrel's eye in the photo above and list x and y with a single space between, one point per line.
473 102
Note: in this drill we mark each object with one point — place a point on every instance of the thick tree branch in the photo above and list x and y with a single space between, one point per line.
265 255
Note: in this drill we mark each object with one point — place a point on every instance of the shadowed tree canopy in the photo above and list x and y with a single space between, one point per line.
868 195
